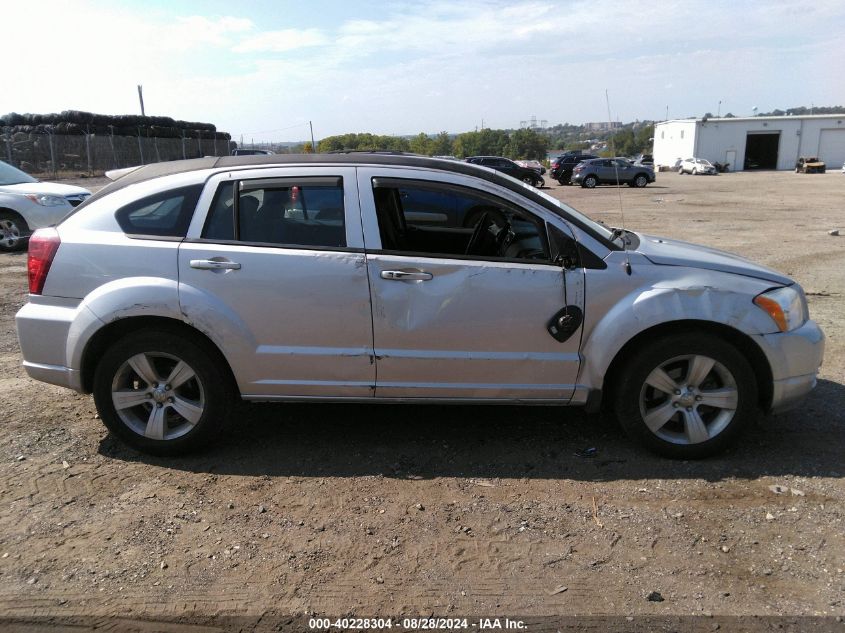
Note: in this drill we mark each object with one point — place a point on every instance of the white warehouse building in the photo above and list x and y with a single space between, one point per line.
762 142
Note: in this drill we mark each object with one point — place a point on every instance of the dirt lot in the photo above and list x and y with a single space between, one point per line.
389 510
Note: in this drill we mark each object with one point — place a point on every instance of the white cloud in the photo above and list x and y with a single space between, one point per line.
281 41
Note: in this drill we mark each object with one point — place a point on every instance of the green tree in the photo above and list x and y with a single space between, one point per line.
365 141
422 144
528 144
442 145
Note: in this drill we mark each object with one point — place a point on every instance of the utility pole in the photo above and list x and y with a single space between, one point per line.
141 98
719 111
313 147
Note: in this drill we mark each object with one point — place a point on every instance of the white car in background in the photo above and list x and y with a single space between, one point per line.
27 204
696 167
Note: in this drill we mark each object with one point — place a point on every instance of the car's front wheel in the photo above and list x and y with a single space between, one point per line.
162 393
686 396
13 232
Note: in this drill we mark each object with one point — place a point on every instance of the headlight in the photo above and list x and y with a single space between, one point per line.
47 201
787 306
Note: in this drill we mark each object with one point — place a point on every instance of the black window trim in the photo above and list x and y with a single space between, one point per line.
474 258
276 245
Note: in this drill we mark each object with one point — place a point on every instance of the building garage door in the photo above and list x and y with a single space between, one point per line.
832 148
761 150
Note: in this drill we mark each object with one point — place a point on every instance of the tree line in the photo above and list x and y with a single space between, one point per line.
517 144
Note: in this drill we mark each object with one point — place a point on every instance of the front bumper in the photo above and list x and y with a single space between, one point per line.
795 358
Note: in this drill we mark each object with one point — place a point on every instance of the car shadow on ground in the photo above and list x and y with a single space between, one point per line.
428 441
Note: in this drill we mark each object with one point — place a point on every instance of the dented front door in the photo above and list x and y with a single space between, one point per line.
470 329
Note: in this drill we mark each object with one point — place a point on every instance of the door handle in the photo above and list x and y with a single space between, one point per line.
213 264
401 275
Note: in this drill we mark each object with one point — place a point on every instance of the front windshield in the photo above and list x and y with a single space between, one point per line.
12 176
701 161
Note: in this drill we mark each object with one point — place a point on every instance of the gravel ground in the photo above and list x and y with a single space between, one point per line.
389 510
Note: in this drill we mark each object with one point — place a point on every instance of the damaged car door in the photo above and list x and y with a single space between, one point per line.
483 308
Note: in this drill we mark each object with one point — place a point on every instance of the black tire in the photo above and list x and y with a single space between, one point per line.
681 171
539 182
640 181
211 381
630 393
590 182
14 232
529 180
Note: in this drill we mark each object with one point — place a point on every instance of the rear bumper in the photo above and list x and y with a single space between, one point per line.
51 333
55 375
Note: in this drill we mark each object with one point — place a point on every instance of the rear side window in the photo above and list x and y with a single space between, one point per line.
165 214
305 212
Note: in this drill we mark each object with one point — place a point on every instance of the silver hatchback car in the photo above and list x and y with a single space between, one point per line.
388 278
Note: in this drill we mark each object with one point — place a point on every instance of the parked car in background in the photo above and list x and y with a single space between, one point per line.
184 286
536 165
697 167
563 165
644 159
245 151
810 165
27 204
611 171
509 167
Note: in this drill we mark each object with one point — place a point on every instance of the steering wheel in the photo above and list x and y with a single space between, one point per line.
481 228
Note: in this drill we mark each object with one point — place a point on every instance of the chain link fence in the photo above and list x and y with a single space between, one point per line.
47 154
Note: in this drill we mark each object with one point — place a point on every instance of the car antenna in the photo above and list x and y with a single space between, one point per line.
618 188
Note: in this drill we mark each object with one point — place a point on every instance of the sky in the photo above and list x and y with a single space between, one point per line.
264 68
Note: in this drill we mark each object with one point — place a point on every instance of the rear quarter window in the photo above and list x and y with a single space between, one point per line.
164 214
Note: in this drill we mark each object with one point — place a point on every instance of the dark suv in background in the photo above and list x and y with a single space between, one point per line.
609 171
563 165
507 166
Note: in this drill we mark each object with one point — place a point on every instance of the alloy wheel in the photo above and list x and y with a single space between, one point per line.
158 395
689 399
10 233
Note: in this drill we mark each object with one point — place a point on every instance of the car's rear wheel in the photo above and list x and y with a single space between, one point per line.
686 396
13 232
590 182
681 171
640 181
162 393
529 180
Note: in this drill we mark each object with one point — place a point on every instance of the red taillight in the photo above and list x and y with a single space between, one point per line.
555 165
42 249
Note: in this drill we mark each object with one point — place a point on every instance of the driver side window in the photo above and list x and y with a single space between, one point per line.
440 220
